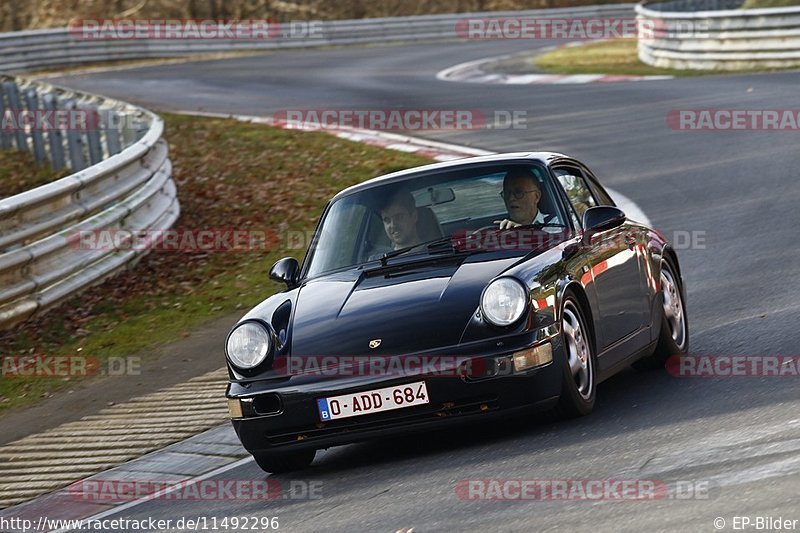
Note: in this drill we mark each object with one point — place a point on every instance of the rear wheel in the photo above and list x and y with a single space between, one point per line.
285 462
579 381
674 335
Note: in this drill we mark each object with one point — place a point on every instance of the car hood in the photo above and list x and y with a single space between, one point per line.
412 308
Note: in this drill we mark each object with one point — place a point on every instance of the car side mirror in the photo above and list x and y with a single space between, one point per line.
602 218
285 271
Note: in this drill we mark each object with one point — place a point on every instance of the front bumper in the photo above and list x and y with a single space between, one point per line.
297 425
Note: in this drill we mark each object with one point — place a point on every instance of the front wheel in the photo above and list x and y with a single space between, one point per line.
285 462
673 339
579 378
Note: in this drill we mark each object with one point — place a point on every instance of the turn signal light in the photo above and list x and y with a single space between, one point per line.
533 357
235 408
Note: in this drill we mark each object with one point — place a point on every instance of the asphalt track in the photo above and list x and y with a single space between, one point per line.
740 190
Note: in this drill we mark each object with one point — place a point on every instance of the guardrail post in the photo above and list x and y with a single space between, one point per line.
5 137
77 157
141 129
111 130
32 101
93 133
129 131
12 92
54 137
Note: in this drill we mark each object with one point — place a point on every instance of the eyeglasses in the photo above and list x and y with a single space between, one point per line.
517 194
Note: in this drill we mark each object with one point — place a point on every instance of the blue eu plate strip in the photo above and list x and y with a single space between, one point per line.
324 411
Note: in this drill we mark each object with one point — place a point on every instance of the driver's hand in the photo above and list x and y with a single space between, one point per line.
507 224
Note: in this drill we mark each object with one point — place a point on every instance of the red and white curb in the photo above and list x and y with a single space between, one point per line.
393 141
472 72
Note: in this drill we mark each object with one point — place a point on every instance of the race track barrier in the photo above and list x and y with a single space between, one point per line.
716 35
31 50
122 180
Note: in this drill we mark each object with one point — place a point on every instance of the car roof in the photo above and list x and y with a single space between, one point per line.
541 157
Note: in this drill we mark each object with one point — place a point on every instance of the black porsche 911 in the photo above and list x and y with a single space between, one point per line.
447 294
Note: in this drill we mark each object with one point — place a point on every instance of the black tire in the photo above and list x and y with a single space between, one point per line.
285 462
579 378
673 338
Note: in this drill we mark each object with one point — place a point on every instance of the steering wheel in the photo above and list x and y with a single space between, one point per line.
485 228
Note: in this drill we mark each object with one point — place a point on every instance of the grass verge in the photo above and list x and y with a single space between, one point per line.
615 57
757 4
605 57
229 175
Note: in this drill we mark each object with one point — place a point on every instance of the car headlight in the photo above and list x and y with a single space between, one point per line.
248 345
504 301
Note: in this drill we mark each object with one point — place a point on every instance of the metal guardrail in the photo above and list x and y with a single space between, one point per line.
26 51
122 180
713 35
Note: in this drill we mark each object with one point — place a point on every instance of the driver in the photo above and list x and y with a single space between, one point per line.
399 216
521 194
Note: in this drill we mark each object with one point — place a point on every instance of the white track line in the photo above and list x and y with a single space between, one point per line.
471 72
162 492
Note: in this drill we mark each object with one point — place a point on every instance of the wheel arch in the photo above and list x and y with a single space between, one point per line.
668 252
576 289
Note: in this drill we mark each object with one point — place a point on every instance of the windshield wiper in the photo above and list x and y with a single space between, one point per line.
537 225
429 245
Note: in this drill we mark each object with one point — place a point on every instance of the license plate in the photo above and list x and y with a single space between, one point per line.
374 401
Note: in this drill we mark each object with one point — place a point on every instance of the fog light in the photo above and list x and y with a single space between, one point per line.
235 408
485 368
267 404
533 357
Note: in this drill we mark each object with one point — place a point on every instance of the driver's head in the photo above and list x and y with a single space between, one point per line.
521 194
399 216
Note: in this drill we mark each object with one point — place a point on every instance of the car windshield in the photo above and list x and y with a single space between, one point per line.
399 217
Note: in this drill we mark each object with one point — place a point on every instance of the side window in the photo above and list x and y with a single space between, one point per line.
578 192
602 196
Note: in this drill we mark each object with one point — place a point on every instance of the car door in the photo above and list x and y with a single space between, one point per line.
613 271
